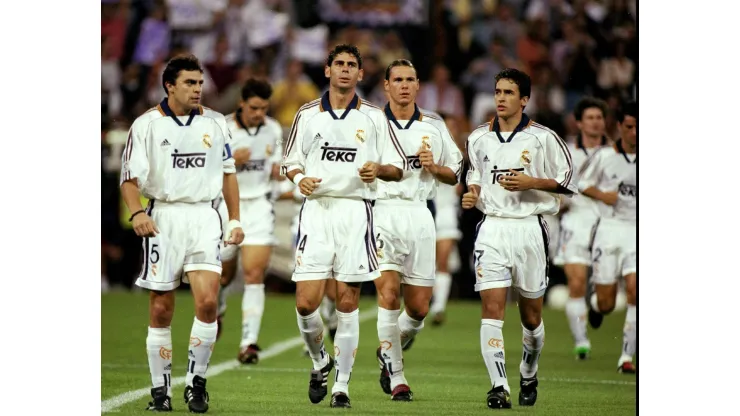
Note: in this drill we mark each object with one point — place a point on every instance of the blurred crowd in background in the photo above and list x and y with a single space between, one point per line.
570 48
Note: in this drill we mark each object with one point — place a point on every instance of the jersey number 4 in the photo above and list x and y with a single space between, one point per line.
302 244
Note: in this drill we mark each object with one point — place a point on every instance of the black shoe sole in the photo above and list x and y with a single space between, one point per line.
403 397
496 403
528 400
204 410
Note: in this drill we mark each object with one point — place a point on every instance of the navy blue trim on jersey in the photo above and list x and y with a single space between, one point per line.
370 243
546 239
238 117
168 112
145 271
432 207
497 129
392 118
621 150
326 105
227 152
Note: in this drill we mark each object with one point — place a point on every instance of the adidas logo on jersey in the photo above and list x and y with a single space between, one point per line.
485 158
165 142
338 154
317 136
362 267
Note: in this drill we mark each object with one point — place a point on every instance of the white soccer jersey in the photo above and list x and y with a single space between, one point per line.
178 159
532 149
581 203
262 142
611 169
422 129
333 144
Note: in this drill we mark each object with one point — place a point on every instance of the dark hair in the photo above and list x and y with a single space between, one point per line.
590 102
175 65
628 109
519 78
344 48
256 88
398 62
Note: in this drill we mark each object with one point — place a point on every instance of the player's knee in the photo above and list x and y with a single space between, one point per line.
206 306
531 320
418 310
492 310
347 304
306 306
389 298
161 314
606 304
254 276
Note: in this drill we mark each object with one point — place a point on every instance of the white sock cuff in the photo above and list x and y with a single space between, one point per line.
535 332
309 317
349 316
493 322
631 313
411 321
160 332
204 328
388 316
576 303
442 275
254 287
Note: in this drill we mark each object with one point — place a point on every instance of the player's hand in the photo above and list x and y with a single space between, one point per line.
235 235
470 198
427 159
308 185
241 156
517 181
609 198
144 226
368 172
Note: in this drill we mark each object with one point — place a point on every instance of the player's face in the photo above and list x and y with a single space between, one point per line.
344 72
402 85
255 110
628 130
187 89
592 123
508 100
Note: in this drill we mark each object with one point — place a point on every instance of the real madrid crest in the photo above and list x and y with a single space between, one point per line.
526 158
207 141
268 150
425 143
360 136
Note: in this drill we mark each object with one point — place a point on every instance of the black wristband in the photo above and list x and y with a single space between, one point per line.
135 214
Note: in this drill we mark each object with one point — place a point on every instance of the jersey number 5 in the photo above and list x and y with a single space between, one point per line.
154 254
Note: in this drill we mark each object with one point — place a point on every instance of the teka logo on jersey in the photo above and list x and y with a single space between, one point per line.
414 162
628 190
338 154
498 173
188 160
252 166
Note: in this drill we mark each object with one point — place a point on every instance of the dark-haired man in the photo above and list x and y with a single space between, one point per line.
517 170
610 176
255 138
178 156
405 228
338 146
578 223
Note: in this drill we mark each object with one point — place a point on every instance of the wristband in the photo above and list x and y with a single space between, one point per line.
135 214
298 178
233 224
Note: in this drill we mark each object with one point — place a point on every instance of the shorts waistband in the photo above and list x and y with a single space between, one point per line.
400 202
528 219
159 204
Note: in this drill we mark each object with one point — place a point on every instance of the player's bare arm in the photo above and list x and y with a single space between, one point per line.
241 156
142 223
470 198
441 173
609 198
305 183
371 170
234 232
518 181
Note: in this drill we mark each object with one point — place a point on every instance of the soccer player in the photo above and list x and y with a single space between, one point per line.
404 225
615 244
178 156
578 223
447 205
517 168
255 139
337 147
